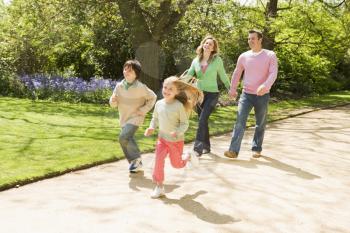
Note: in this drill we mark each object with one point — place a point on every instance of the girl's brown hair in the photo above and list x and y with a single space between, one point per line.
188 95
200 50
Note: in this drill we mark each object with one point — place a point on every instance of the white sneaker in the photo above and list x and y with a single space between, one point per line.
186 156
158 192
194 158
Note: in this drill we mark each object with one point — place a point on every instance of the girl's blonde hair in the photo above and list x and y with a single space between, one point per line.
188 95
200 50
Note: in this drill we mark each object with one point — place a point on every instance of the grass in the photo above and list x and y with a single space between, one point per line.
44 139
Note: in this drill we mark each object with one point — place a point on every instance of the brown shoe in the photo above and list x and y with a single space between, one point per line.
256 154
231 154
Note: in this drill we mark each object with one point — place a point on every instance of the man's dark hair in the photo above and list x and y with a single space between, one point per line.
258 32
135 65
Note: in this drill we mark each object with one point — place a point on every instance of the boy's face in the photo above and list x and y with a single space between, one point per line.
129 74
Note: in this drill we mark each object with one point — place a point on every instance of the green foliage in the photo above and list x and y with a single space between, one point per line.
310 44
89 38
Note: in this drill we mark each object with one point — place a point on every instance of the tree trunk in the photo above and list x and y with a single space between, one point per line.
270 14
152 58
147 33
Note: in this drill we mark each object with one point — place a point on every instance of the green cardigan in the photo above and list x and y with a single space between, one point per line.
208 81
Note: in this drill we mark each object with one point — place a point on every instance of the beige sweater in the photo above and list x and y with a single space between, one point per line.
138 97
170 117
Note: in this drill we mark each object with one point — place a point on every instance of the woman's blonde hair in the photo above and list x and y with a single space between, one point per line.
200 50
188 95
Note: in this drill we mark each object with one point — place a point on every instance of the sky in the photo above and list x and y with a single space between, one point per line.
6 1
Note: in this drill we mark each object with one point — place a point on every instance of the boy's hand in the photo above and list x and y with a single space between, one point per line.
173 134
148 132
140 113
113 101
114 98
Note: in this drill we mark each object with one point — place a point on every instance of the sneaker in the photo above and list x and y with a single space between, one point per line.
256 154
194 158
206 151
231 154
135 165
158 192
191 158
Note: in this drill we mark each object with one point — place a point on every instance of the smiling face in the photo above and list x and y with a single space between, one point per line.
169 91
208 45
254 42
129 74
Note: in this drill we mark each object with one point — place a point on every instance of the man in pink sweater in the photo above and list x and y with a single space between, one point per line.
260 72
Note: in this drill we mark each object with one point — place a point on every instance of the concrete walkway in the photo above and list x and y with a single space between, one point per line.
301 184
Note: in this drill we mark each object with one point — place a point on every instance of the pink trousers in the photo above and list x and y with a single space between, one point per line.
163 148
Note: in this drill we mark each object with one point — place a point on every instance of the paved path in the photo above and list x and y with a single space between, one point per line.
302 184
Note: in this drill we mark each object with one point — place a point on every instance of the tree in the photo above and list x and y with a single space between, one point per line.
149 24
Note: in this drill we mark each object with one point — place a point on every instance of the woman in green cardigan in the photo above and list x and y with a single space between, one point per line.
206 67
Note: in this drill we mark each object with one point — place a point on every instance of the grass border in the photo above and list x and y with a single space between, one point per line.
295 113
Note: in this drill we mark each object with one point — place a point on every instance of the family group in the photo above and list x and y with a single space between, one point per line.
171 113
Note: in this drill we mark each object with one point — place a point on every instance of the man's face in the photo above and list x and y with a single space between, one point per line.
253 41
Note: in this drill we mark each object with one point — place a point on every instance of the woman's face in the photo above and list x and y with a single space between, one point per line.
208 45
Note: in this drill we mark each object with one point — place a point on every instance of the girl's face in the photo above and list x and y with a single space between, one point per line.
208 45
169 91
129 74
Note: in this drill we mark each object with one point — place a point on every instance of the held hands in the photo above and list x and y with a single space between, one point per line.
149 132
261 90
173 134
233 94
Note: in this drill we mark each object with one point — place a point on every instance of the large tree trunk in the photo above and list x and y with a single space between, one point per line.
152 58
270 14
148 32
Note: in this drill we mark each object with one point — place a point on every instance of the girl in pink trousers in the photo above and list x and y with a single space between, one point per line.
171 116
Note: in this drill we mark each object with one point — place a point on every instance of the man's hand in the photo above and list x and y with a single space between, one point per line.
261 90
149 132
232 94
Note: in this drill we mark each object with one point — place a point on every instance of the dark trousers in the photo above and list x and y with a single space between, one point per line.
204 111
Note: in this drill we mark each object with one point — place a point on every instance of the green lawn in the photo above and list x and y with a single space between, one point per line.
43 139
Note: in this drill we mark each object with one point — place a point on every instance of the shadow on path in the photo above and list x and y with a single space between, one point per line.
266 161
138 180
188 203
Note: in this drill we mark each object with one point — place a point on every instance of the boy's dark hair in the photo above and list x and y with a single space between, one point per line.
258 32
135 66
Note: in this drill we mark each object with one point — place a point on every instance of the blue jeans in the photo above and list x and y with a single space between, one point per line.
246 103
204 111
128 142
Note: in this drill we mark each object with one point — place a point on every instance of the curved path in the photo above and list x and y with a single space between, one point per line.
301 184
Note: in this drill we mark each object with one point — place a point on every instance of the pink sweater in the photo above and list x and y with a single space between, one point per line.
259 68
